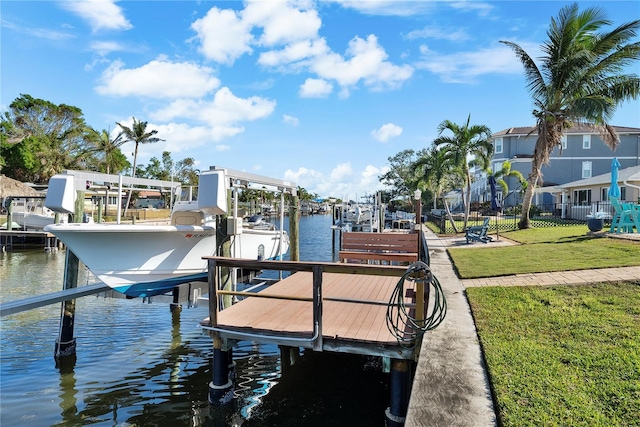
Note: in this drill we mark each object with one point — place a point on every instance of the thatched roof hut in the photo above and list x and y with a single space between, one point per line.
12 188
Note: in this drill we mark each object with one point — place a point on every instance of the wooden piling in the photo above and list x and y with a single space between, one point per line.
66 343
294 239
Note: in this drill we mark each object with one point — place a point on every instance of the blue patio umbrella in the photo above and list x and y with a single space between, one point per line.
614 189
495 203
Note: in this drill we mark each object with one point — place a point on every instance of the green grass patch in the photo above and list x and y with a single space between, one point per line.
546 234
562 356
545 257
545 250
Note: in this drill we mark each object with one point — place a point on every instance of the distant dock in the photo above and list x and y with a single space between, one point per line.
9 239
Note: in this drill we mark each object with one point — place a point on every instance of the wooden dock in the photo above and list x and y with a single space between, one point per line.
11 238
321 306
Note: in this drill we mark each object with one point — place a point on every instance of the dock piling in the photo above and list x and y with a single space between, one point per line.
66 343
221 387
400 383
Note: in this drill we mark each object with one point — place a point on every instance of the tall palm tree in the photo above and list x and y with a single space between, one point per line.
468 145
432 171
138 134
580 80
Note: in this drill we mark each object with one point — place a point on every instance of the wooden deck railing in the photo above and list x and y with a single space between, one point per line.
315 340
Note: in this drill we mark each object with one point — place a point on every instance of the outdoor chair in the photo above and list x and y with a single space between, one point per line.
478 233
626 217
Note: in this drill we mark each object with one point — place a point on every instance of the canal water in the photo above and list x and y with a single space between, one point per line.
135 367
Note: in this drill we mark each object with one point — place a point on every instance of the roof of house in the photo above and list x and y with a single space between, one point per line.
631 174
579 128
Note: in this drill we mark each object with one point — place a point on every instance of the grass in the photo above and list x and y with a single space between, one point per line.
558 356
562 356
545 250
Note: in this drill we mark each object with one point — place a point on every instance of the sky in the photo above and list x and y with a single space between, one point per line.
319 93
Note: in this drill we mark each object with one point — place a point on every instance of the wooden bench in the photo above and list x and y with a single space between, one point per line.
380 247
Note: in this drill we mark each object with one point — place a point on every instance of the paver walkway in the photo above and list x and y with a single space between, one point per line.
451 386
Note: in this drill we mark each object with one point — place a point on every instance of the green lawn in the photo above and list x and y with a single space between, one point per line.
562 356
558 356
543 250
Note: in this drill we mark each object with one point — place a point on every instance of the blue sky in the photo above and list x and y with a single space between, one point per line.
320 93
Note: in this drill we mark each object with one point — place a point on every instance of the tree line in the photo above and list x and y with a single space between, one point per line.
39 139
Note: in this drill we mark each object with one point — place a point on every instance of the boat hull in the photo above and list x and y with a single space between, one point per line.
147 260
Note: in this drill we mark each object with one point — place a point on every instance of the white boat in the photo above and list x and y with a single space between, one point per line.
32 214
362 218
146 260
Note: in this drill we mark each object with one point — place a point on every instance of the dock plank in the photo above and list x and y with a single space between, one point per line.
341 320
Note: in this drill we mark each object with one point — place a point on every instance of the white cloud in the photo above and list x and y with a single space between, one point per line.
101 14
433 32
315 88
342 182
367 62
290 30
224 36
464 67
159 78
389 7
222 113
294 56
386 132
40 33
103 48
281 22
341 172
290 120
482 8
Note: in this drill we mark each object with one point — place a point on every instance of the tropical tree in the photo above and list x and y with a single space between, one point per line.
506 172
398 178
111 157
580 80
138 134
433 171
39 139
468 145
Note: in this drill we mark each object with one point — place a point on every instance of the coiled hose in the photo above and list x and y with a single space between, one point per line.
400 321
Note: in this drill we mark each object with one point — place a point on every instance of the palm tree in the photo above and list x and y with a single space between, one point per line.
138 134
468 145
109 147
433 172
579 81
506 172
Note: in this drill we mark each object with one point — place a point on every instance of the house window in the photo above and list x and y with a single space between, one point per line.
582 197
586 143
586 169
498 145
563 142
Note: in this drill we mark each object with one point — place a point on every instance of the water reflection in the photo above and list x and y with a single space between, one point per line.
68 398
